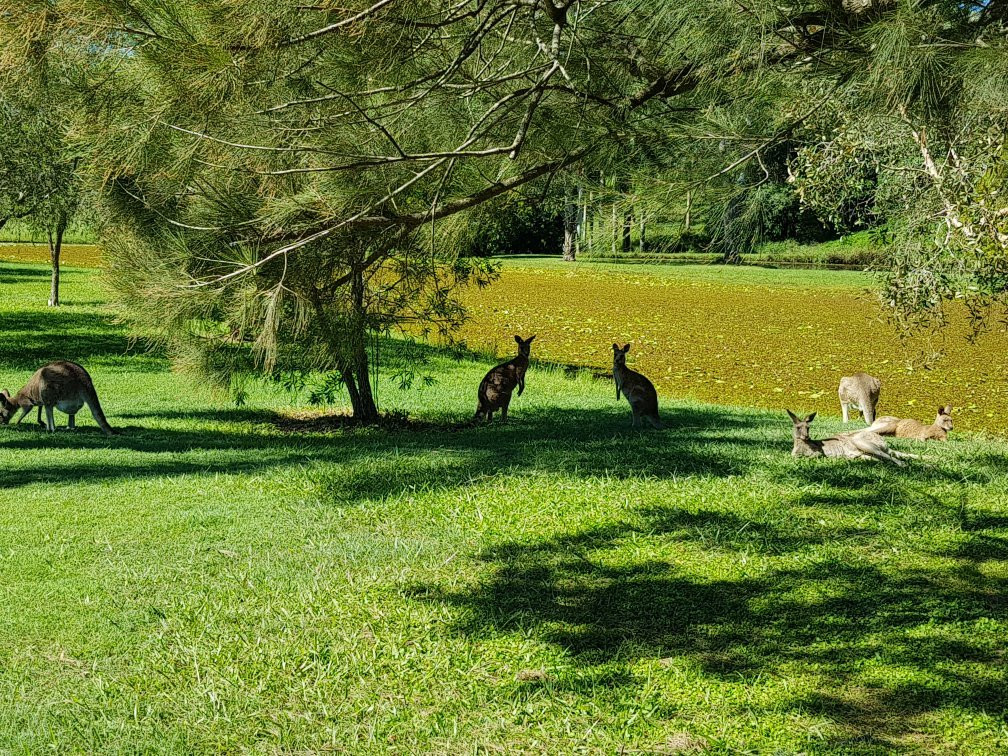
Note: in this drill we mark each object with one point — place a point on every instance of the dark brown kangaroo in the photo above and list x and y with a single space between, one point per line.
65 386
496 387
638 390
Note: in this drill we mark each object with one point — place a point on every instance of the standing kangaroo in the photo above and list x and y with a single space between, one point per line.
904 428
497 385
65 386
861 391
860 445
638 390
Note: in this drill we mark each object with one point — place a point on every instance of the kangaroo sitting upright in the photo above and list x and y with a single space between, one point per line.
860 445
65 386
497 385
638 390
861 391
905 428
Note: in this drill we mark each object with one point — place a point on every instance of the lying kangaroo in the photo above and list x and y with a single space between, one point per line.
65 386
496 387
861 391
904 428
638 390
860 445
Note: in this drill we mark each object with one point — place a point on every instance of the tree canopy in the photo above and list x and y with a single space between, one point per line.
285 179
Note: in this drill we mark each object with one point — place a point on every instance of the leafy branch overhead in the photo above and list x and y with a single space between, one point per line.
284 174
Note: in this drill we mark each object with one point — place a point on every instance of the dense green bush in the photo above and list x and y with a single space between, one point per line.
520 226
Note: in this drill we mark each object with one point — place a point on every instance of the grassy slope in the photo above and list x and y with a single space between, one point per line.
745 275
206 583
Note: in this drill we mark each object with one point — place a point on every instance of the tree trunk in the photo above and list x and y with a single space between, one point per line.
643 232
627 231
689 207
570 229
614 229
55 248
356 376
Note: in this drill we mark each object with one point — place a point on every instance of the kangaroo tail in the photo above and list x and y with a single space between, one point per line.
885 426
96 411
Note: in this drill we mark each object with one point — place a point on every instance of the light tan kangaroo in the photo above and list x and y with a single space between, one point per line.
638 390
65 386
907 428
860 391
859 445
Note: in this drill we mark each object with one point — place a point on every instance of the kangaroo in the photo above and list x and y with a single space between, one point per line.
904 428
859 445
861 391
497 385
638 390
65 386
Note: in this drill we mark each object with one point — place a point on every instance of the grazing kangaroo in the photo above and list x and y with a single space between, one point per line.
861 391
65 386
638 390
496 387
860 445
905 428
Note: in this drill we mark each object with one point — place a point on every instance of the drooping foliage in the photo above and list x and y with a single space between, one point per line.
287 180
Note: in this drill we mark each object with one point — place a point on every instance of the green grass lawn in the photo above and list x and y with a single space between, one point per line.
207 582
742 275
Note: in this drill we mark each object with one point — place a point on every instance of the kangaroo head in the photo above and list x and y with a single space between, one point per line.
7 407
619 355
801 427
524 345
944 418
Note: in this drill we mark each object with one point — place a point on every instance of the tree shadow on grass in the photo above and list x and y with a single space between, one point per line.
380 463
828 617
33 339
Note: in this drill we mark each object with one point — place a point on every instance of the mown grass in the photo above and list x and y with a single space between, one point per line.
208 583
80 255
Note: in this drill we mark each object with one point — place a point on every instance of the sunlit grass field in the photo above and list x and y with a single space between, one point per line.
206 582
744 335
83 255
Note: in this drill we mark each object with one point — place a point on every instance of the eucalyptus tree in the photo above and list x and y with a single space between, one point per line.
40 181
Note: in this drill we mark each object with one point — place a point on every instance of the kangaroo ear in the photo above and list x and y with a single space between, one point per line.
530 339
811 417
792 415
518 338
616 347
626 348
946 410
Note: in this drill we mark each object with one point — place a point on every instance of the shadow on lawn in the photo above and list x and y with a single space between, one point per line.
375 463
35 338
833 618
